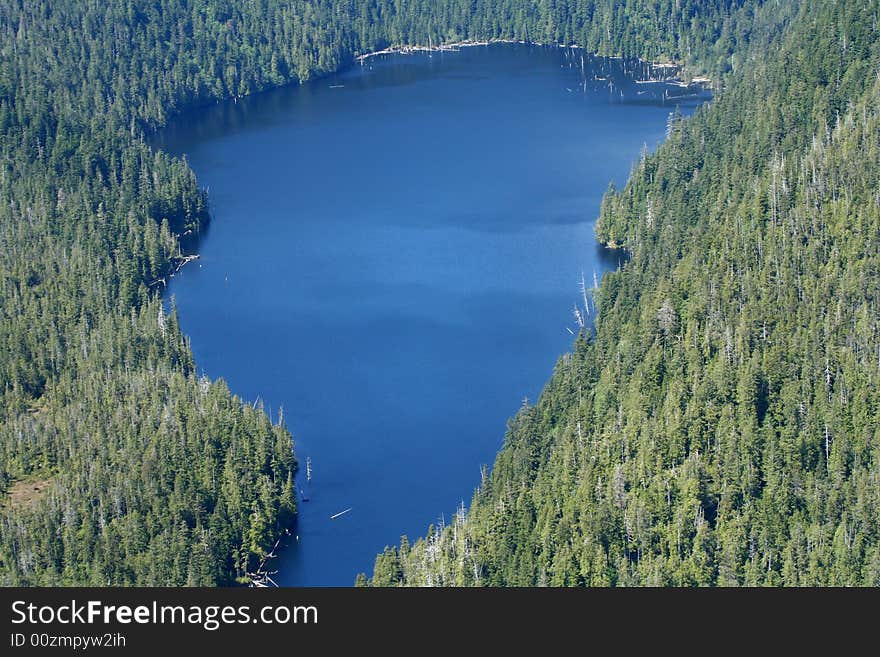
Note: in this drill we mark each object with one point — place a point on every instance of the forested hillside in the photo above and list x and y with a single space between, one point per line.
722 426
690 417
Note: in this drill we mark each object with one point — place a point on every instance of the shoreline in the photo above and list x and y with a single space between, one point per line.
676 68
443 47
262 577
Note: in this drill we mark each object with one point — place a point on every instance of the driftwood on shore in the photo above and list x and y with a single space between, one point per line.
181 261
176 264
453 47
262 578
444 47
456 45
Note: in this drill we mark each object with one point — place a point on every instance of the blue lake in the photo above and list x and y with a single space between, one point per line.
394 255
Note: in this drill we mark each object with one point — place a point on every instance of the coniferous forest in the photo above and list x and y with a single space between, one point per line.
719 426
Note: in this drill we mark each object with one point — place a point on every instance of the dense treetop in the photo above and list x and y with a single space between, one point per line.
722 425
719 427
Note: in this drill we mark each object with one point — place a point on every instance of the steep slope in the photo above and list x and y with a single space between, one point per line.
722 426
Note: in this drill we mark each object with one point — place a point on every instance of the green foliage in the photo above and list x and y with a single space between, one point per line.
719 428
722 426
157 477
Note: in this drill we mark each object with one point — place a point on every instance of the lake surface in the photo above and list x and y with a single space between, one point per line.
394 257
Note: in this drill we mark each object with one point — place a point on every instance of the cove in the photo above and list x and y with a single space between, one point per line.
394 255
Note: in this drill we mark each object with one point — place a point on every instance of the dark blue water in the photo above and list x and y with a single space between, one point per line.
394 257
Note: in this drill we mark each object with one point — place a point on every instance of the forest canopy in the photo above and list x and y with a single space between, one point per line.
719 427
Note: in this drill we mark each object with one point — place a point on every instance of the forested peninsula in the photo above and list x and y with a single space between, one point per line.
719 427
